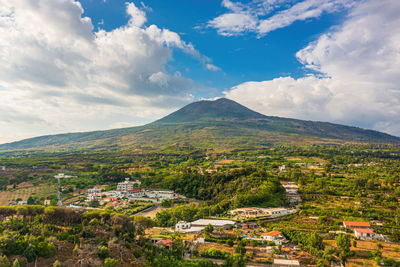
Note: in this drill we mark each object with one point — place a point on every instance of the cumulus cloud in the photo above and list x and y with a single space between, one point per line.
58 75
359 62
258 16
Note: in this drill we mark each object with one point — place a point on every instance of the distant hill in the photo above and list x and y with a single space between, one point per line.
219 124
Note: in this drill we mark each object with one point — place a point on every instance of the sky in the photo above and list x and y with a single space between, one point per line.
73 66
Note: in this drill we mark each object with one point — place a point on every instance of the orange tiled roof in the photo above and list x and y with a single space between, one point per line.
356 224
273 233
368 231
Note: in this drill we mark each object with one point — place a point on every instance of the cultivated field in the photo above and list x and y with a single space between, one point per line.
42 190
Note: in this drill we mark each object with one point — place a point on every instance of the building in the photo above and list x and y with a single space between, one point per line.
128 185
182 225
352 225
199 225
282 262
364 233
165 243
225 224
46 202
94 191
282 168
247 211
162 194
274 236
275 212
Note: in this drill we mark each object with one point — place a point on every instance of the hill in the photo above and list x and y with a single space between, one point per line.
219 124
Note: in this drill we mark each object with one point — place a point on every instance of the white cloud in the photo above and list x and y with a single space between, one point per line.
212 67
255 16
57 75
360 66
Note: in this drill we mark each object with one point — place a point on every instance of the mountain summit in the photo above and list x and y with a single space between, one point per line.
220 124
219 110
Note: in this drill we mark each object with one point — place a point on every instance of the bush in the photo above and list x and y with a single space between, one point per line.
214 253
102 252
4 261
46 249
109 262
30 253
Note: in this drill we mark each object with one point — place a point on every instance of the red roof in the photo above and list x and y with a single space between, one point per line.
356 224
273 233
135 190
367 231
165 242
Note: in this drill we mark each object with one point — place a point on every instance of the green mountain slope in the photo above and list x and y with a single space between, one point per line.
208 125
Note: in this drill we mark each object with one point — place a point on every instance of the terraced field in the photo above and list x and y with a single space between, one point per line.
42 190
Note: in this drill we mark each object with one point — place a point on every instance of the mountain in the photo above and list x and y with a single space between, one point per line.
211 125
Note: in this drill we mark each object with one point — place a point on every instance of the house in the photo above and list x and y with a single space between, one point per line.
274 236
46 202
365 234
94 191
199 225
247 211
161 194
282 262
182 225
274 212
165 243
225 224
282 168
352 225
128 185
248 225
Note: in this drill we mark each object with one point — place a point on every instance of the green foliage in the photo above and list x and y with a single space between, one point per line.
46 249
4 262
109 262
214 253
102 252
57 264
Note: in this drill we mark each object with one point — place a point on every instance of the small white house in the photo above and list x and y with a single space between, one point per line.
274 236
182 225
274 212
366 234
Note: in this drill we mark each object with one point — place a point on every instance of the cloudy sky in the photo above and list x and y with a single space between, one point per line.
69 65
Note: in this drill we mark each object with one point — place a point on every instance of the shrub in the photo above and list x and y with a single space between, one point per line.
109 262
102 252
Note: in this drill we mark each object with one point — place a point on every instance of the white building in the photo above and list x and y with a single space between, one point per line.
199 225
128 185
283 262
282 168
162 194
275 212
274 236
367 234
94 191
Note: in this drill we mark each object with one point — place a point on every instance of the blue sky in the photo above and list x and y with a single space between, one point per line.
241 58
70 65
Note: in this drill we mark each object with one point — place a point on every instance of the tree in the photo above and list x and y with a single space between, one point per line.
30 253
94 203
354 243
17 263
379 246
208 229
30 201
4 261
109 262
344 244
240 248
57 264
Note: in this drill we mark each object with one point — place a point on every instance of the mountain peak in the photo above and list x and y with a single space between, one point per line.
222 109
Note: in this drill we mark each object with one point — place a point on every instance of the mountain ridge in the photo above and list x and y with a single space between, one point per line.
222 118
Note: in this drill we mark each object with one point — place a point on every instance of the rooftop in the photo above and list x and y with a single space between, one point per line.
213 222
360 230
356 224
273 233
